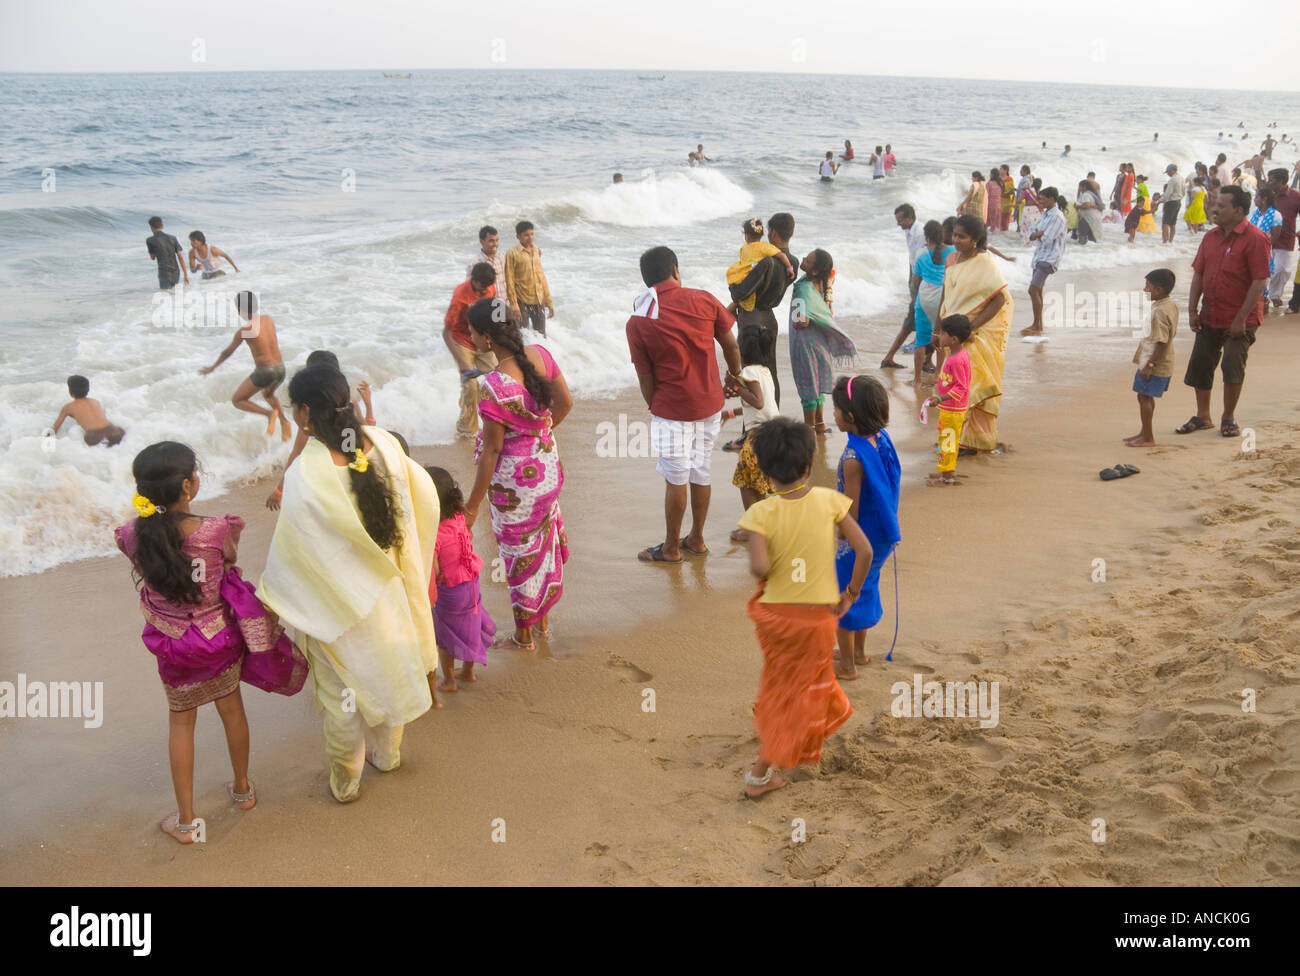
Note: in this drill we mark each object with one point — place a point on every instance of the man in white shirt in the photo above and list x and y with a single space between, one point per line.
914 234
490 253
1172 195
1050 233
828 168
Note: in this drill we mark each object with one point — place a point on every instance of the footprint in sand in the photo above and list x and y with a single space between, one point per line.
636 674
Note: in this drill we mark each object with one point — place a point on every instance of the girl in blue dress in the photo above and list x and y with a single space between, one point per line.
869 474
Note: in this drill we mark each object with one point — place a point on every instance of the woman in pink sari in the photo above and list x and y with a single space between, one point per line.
993 201
521 402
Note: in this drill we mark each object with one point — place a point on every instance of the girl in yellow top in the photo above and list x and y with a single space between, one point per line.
754 249
793 534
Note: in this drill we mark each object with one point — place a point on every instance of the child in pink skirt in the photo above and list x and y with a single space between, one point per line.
463 626
202 620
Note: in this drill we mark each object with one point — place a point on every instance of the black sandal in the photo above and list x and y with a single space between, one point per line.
1193 425
1229 428
656 555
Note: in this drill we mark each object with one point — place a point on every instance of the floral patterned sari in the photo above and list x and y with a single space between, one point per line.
525 495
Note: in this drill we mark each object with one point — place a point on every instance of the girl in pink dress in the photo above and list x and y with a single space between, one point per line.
464 627
202 621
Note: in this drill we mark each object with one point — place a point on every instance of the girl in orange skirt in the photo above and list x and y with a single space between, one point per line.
793 534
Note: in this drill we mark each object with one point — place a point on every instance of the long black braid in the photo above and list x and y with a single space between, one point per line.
324 392
491 317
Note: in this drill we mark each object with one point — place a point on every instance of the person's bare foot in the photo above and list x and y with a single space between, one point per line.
286 431
244 799
756 786
172 826
1031 331
433 688
448 685
940 481
861 657
270 425
844 672
466 673
1132 437
1141 442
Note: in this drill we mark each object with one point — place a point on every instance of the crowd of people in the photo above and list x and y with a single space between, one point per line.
372 566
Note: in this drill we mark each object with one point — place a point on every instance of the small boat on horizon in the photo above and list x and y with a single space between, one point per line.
651 77
387 75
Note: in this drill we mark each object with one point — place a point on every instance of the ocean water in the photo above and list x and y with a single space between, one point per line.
352 204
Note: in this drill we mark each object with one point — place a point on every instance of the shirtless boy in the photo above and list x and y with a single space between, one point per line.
89 414
268 372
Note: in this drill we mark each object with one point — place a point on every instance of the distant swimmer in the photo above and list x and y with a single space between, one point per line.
204 257
166 250
1156 137
847 155
88 414
826 169
1066 151
1266 147
698 158
618 177
268 371
890 160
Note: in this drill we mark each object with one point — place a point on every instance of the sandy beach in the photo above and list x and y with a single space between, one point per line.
1120 700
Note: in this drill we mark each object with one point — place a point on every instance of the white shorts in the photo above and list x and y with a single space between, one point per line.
684 448
1281 273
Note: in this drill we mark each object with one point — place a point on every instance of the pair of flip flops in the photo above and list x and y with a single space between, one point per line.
1119 471
655 554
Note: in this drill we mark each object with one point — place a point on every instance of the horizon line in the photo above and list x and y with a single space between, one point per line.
201 69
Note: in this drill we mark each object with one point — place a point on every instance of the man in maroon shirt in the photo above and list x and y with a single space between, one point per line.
1229 275
671 335
1287 202
455 333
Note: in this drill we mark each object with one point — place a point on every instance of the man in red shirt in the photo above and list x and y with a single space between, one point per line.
1287 202
671 335
455 332
1229 276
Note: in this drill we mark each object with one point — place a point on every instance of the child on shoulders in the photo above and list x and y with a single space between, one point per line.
754 249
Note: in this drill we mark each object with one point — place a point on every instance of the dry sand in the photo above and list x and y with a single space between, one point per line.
1119 700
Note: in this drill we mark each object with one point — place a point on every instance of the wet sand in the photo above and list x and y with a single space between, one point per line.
1119 700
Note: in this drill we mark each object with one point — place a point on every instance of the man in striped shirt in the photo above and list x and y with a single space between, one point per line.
490 253
527 291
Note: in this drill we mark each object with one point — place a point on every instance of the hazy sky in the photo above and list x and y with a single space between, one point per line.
1098 41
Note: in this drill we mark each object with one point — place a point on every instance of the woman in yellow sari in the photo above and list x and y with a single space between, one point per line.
973 286
349 571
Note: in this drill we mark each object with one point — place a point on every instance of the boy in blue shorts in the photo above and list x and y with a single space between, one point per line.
1155 354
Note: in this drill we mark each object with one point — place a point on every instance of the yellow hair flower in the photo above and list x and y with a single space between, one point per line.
144 508
360 464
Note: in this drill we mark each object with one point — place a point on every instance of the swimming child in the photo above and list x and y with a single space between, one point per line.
1155 354
268 364
952 396
869 474
323 357
798 603
1141 208
465 629
203 256
757 393
202 621
89 414
754 249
